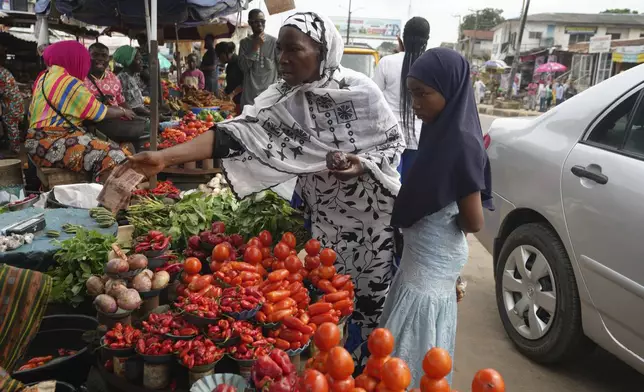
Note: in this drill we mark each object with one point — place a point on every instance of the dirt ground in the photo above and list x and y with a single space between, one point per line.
482 343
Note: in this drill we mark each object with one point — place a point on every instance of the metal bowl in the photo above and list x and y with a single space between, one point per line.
245 314
156 359
293 353
117 352
198 321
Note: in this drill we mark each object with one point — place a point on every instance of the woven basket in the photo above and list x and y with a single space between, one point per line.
278 6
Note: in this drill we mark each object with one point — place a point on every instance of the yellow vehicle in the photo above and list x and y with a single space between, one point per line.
361 58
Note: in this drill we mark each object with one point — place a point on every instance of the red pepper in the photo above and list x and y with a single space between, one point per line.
161 245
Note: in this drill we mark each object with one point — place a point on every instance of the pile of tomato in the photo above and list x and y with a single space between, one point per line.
189 128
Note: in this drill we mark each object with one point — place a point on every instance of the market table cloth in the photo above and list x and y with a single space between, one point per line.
39 254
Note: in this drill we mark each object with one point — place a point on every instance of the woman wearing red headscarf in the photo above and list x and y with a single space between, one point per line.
60 104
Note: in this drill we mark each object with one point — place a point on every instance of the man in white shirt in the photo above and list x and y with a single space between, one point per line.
389 78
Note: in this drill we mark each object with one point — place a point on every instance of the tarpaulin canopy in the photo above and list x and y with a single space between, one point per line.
131 14
194 33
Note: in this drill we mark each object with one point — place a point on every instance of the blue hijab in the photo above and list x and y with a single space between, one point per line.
452 162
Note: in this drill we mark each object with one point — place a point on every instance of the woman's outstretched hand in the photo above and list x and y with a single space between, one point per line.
148 163
356 169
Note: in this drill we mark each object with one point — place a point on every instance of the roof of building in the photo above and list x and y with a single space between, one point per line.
485 35
587 19
582 47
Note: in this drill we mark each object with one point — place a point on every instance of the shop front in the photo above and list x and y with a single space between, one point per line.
627 57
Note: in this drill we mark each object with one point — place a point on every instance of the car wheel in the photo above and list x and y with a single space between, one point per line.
537 296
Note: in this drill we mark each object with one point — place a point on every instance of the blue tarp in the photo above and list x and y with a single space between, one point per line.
132 13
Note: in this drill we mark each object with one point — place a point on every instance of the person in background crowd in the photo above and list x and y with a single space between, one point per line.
144 51
234 75
286 135
541 94
209 65
258 59
389 73
479 91
193 77
532 95
559 93
130 59
102 82
58 108
437 205
549 95
12 110
25 294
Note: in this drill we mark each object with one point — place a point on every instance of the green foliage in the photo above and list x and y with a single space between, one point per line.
487 19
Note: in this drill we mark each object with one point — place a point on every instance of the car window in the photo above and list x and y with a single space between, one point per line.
635 139
611 130
361 62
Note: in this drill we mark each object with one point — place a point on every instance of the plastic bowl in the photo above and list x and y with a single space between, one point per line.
117 352
23 205
156 358
209 383
245 314
293 353
199 110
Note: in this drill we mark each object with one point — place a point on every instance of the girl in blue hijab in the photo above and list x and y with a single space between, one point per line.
441 201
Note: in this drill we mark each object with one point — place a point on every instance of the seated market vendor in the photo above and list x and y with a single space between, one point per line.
193 77
60 104
130 58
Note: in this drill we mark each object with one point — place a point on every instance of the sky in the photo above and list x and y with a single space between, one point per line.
440 13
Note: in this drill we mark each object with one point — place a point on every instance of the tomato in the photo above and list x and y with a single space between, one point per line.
437 363
253 255
374 366
327 272
339 364
192 265
221 252
312 247
487 380
289 239
266 238
200 283
327 257
356 389
313 381
381 343
255 242
181 290
396 374
187 278
281 251
434 385
365 382
345 385
209 118
266 253
311 262
327 336
293 264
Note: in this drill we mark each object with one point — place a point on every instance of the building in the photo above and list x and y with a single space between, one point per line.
560 30
476 45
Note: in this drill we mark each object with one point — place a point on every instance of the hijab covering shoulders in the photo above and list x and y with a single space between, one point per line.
452 162
70 55
125 55
343 110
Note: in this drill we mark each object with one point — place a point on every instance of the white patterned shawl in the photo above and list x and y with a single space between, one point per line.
344 110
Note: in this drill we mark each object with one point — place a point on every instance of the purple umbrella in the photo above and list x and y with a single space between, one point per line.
551 67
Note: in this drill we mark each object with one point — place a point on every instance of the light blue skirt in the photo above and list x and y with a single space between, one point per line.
421 308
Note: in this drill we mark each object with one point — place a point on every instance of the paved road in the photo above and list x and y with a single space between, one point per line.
481 342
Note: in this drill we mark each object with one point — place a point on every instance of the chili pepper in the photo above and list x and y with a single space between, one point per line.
162 245
319 308
291 335
339 281
41 359
278 275
280 314
325 318
335 297
277 296
297 324
326 286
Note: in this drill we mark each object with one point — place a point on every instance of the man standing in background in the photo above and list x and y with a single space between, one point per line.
209 65
532 95
258 59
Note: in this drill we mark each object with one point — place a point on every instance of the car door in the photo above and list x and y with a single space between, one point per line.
603 200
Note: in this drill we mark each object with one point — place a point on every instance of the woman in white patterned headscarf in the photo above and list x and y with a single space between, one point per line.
317 107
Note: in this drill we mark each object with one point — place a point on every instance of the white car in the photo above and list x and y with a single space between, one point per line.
567 235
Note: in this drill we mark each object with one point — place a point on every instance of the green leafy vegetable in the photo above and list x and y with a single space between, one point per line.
77 259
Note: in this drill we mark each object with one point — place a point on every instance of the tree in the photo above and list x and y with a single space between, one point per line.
487 19
619 11
387 47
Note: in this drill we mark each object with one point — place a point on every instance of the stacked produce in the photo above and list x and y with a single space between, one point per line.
121 337
204 99
163 189
102 216
35 362
189 128
168 324
200 351
154 243
274 372
215 186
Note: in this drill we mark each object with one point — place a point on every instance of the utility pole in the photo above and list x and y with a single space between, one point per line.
457 45
517 48
349 23
472 40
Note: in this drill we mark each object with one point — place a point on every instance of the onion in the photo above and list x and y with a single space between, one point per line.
95 286
149 273
105 304
137 262
104 278
160 280
114 266
129 299
114 287
142 283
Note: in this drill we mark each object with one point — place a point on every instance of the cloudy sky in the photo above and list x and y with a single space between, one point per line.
441 13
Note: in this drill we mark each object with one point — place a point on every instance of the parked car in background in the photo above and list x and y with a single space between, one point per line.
567 235
361 58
